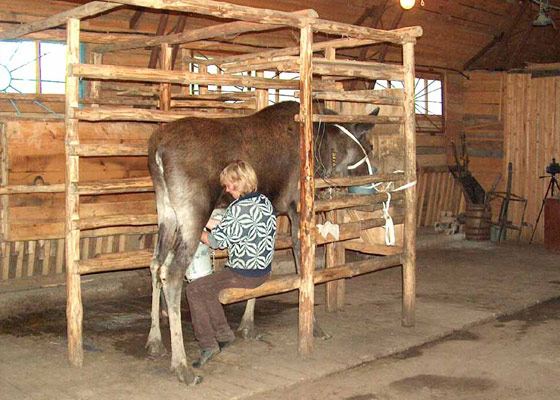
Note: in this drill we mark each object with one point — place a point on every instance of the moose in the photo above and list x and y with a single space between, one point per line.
185 160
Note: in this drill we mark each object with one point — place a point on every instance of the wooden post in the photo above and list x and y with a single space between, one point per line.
307 212
165 88
261 95
335 290
335 256
185 66
95 86
74 308
4 171
409 248
202 69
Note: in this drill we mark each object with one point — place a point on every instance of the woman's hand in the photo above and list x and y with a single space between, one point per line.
212 223
204 238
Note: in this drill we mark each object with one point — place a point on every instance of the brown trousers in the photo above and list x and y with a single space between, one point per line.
207 313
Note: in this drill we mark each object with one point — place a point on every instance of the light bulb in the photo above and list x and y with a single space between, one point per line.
407 4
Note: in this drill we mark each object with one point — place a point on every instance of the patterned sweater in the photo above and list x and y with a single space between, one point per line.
248 231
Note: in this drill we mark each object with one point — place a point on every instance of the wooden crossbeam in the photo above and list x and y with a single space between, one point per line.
113 72
209 32
366 119
87 10
364 96
110 149
291 51
141 115
125 185
290 282
117 220
226 10
221 9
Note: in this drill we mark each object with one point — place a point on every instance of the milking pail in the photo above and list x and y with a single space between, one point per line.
201 264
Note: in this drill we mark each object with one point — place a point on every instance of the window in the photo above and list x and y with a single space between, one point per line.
427 93
214 70
32 67
279 95
274 95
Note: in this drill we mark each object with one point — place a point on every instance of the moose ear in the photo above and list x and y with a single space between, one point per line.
362 128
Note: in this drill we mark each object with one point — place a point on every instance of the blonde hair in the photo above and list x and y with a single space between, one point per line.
242 175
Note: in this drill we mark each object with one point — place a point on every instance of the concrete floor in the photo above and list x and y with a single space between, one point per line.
460 284
516 357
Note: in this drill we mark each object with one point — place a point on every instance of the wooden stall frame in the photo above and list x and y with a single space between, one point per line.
307 24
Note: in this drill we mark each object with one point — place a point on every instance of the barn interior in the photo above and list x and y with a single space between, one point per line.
478 135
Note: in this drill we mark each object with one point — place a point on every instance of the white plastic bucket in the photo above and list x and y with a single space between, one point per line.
201 264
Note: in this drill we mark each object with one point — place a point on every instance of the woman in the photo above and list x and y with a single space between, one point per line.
247 230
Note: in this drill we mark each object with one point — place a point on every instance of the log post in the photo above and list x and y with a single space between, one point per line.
261 94
307 212
409 250
4 171
74 308
95 86
335 290
185 54
335 255
166 54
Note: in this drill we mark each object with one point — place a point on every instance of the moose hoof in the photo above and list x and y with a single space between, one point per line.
185 375
248 333
320 333
156 349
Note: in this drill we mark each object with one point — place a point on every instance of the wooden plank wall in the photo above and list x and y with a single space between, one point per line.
532 139
33 259
36 156
483 125
513 118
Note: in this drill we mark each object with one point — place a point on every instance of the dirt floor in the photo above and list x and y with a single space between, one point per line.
460 285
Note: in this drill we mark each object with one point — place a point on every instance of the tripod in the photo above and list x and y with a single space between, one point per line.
550 189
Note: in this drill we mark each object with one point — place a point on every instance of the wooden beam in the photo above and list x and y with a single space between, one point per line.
409 247
179 28
87 10
113 72
352 119
291 51
227 10
154 55
353 201
290 282
139 115
165 88
133 23
307 210
4 200
209 32
74 308
392 97
334 255
221 9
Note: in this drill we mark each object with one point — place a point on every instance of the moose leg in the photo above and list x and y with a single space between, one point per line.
247 324
154 344
296 249
172 287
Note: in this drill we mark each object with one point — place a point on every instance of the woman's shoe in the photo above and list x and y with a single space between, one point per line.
224 344
205 356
